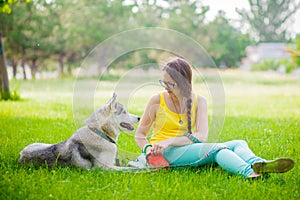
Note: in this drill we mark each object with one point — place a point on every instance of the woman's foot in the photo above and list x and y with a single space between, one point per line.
279 165
254 175
139 162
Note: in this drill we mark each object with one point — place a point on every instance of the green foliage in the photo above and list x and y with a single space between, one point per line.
5 6
15 90
55 30
287 64
297 41
12 95
145 58
46 115
265 65
43 30
274 65
226 44
15 95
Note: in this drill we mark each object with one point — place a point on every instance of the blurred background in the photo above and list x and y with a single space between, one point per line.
50 38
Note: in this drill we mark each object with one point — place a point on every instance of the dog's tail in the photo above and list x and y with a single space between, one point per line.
39 154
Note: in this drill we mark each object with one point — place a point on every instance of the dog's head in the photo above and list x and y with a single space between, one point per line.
112 118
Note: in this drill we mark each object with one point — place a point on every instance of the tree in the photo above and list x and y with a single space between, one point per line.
186 16
224 43
15 40
29 34
269 19
4 82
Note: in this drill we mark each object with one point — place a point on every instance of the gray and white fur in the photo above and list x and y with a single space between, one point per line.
85 148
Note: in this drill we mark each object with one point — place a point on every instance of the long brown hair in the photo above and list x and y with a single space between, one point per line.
181 72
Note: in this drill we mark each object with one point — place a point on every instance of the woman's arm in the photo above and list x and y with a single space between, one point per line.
147 121
201 132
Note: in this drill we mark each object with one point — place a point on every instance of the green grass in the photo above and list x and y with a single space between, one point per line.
261 109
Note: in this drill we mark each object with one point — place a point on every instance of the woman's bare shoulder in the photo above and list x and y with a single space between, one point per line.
155 99
201 100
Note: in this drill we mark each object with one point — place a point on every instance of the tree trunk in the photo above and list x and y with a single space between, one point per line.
33 68
14 64
61 64
4 82
24 62
71 61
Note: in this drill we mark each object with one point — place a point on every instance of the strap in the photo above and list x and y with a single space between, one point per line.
191 137
162 101
145 148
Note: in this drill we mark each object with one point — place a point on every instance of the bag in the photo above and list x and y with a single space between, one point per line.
156 160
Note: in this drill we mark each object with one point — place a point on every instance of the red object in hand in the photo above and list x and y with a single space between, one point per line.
156 160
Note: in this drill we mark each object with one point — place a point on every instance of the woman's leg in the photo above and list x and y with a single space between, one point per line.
205 153
193 154
231 162
241 148
254 163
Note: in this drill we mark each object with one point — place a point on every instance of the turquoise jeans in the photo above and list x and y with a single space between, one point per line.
233 156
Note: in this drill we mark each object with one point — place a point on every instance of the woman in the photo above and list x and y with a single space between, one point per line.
180 129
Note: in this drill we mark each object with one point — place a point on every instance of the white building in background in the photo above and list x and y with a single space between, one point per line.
264 51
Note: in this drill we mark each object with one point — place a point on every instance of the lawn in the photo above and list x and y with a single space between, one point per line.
263 109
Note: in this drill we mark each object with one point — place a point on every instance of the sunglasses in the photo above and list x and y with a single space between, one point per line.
167 84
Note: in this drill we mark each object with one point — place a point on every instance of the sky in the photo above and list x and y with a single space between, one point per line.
229 7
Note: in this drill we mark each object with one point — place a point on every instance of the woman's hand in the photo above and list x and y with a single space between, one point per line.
159 147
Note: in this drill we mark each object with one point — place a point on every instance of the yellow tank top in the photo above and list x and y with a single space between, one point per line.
166 124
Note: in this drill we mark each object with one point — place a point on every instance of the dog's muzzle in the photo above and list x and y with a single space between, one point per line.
127 126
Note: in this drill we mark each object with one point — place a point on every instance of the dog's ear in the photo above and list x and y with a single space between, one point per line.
111 104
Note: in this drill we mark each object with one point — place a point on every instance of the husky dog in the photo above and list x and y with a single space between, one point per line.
91 146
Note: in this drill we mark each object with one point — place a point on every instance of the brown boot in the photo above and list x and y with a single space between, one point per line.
279 165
